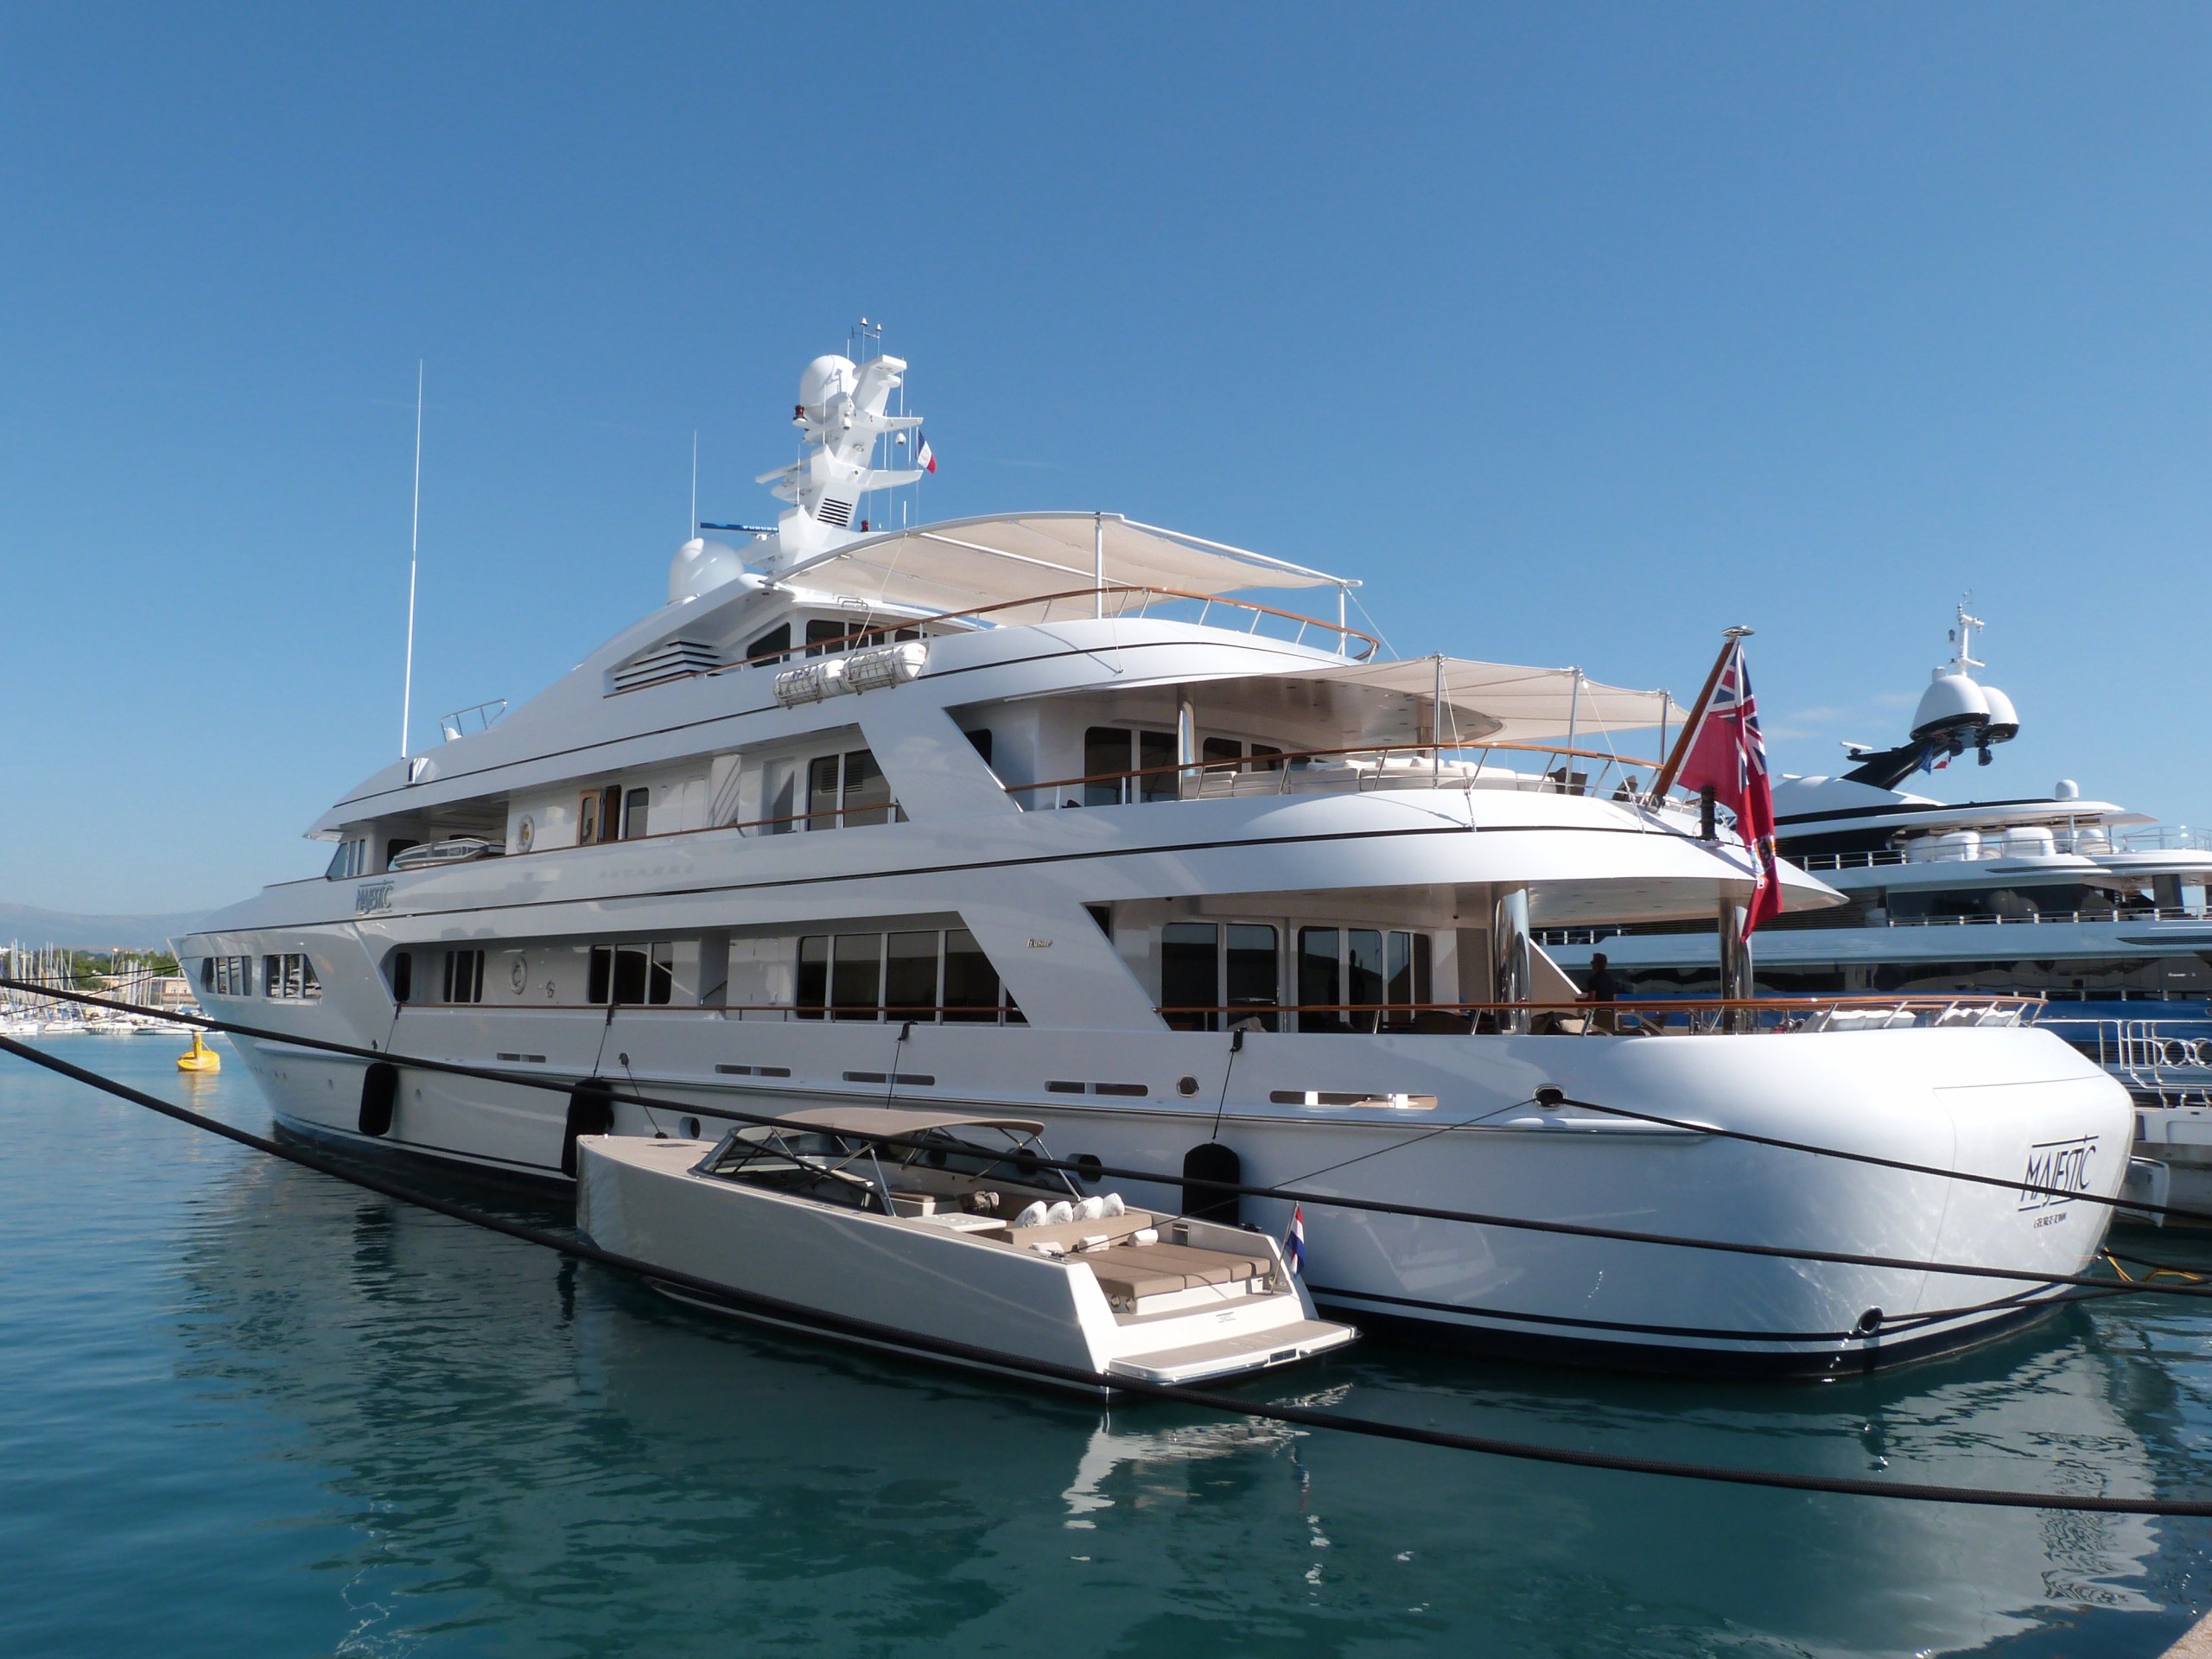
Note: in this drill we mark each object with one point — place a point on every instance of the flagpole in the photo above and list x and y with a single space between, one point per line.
1732 637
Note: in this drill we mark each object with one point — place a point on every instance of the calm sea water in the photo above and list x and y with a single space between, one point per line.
244 1408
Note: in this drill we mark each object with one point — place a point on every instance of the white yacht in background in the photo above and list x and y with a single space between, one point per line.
2100 910
1043 815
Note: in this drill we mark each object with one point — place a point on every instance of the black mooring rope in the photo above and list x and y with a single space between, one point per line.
1292 1195
1046 1372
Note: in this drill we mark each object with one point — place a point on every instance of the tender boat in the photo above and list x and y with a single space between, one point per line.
956 1232
1047 815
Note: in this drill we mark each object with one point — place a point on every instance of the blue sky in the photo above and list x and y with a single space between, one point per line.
1577 331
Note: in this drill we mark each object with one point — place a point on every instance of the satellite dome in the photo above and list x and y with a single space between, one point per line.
1952 702
700 565
2004 724
2068 790
822 382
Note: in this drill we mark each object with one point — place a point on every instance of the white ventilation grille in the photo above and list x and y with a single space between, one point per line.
834 511
676 660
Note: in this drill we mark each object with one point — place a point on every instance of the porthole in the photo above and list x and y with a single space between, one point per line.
1186 1085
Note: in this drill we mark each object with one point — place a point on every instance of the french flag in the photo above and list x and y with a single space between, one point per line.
1294 1242
925 457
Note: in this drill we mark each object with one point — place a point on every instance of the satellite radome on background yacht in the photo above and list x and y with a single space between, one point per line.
1046 815
2100 910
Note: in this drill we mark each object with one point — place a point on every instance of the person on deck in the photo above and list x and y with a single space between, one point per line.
1604 989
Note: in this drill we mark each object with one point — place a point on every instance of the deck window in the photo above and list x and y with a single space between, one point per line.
1111 750
1362 967
847 791
822 634
777 639
1251 975
910 975
631 976
1205 968
403 976
971 984
919 974
856 977
813 976
1189 971
636 807
352 859
233 975
464 979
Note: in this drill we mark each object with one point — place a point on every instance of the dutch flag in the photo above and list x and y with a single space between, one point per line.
1294 1242
925 457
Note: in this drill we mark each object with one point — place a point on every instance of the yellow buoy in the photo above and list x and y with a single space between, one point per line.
199 1057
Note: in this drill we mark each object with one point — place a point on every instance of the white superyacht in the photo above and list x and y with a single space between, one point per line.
1042 814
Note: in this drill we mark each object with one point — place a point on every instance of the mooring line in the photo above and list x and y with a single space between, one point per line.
1046 1371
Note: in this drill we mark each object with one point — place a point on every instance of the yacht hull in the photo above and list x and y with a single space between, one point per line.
1455 1128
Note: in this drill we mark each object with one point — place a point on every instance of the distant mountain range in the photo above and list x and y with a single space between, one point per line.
29 925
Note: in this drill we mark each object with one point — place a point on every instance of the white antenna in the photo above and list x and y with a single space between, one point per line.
692 528
413 543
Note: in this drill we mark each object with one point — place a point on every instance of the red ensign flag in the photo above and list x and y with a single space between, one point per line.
1727 757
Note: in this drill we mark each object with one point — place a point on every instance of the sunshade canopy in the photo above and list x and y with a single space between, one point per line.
1502 703
969 564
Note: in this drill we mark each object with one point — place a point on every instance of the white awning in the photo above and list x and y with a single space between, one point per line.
968 564
1501 702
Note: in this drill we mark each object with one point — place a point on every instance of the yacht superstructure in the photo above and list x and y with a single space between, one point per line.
1045 814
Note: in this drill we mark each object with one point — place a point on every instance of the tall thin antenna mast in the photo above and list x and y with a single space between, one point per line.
692 529
414 545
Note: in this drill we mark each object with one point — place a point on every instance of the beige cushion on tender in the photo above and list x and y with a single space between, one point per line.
1129 1271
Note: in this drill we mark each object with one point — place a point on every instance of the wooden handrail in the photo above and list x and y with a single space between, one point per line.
1277 762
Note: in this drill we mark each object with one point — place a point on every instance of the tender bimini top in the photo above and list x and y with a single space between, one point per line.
888 1120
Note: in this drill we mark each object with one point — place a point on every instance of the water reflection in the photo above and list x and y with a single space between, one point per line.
562 1453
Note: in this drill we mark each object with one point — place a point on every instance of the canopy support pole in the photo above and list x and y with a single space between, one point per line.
1574 710
1098 564
1436 728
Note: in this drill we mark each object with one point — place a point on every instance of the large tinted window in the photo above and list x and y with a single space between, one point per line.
1249 970
910 975
1105 755
971 984
1318 982
813 976
856 977
1189 971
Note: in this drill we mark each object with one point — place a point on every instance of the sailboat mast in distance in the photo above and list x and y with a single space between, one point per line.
414 542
